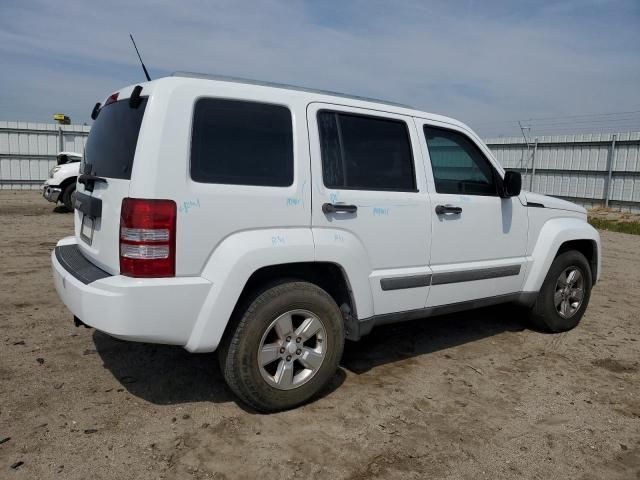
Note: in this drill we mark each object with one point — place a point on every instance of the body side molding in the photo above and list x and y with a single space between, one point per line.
411 281
443 278
476 274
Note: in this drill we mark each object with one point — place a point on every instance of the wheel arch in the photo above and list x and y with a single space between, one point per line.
589 248
244 260
331 277
68 181
557 236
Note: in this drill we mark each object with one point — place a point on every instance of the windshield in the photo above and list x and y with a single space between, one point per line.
112 141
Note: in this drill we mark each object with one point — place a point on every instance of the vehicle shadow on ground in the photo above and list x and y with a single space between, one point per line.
391 343
168 375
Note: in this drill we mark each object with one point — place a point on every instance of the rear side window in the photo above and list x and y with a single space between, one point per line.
365 153
112 141
241 143
459 167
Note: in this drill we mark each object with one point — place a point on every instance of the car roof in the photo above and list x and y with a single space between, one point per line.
372 102
247 81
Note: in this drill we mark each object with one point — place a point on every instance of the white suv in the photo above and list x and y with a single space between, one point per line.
271 222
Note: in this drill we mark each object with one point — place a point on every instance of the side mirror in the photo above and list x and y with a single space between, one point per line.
512 184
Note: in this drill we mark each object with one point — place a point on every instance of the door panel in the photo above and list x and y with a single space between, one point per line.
478 238
388 229
482 242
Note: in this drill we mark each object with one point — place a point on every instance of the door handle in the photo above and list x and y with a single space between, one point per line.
338 207
444 209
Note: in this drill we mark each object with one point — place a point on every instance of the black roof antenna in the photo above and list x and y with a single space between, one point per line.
146 74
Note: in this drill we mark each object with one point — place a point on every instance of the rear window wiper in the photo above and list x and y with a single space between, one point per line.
86 178
90 180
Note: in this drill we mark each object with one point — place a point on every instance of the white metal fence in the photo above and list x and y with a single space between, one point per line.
592 169
28 150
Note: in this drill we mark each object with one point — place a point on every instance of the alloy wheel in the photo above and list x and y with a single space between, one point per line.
569 292
292 349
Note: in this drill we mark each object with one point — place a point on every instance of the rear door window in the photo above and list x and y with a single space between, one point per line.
112 141
361 152
242 143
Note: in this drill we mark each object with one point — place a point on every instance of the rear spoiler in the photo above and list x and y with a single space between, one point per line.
134 101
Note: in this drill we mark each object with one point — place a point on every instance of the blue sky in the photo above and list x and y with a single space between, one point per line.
487 63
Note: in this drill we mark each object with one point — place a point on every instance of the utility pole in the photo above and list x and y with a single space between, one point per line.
533 165
528 143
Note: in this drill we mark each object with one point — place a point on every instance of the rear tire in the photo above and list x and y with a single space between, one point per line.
564 295
66 196
284 347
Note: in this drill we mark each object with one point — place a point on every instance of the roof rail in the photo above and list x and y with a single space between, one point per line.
224 78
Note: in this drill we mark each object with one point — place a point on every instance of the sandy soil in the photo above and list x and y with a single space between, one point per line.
474 395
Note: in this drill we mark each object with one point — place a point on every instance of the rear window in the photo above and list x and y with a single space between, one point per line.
112 142
242 143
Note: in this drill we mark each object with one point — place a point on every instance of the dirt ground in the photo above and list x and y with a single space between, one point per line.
474 395
613 215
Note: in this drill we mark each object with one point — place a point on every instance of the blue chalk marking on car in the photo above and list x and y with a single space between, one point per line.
380 212
188 205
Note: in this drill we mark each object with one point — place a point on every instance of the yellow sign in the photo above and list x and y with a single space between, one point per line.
61 118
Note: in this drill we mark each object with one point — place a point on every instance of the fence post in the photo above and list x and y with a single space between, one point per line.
533 164
612 153
60 140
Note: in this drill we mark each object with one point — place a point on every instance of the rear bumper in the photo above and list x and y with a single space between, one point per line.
51 193
155 310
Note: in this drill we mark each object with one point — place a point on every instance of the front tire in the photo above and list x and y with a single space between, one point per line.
66 196
565 293
284 347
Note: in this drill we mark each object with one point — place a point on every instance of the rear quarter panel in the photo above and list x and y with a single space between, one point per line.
210 213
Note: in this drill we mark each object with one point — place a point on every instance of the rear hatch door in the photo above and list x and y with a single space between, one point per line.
105 179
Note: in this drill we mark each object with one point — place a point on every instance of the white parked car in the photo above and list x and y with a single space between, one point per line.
62 179
271 222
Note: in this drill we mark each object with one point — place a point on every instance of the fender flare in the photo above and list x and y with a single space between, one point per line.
346 250
553 234
234 261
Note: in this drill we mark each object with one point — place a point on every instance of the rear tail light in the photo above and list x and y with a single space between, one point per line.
148 238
